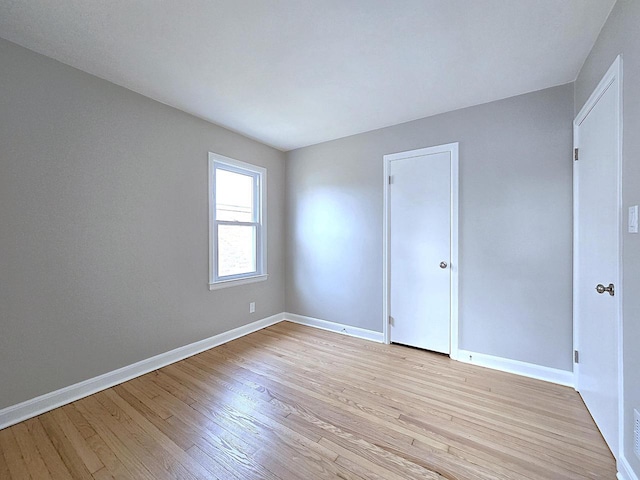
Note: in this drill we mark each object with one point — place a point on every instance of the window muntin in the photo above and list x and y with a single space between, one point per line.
237 222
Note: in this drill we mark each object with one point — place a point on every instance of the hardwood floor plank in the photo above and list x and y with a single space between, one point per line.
160 438
375 473
441 378
359 463
442 403
291 402
115 437
111 462
157 456
12 455
47 450
103 474
266 423
483 403
147 393
81 424
498 451
178 436
4 468
286 399
70 456
228 450
181 391
569 458
32 458
597 433
388 456
209 462
276 435
77 441
352 411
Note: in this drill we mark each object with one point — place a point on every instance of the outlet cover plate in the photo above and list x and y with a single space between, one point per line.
636 432
633 219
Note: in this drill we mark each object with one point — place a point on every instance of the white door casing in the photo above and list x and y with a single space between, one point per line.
419 295
597 255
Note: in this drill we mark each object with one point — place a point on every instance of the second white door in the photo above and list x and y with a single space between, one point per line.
597 255
420 213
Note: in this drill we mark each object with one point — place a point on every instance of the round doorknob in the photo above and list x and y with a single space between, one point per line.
601 289
443 264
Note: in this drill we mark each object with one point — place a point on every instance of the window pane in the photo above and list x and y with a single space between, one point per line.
234 196
236 249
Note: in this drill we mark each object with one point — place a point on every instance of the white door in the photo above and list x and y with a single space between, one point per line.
420 214
597 254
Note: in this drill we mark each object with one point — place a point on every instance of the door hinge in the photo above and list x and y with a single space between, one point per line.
390 320
575 154
390 179
576 356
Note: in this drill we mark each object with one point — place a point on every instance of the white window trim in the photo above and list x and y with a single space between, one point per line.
261 274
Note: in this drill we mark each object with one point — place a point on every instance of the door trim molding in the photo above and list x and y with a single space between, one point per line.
452 149
613 76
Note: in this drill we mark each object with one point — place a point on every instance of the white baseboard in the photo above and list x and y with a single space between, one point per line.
31 408
625 472
36 406
530 370
335 327
553 375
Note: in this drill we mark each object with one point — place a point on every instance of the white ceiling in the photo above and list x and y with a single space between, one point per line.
292 73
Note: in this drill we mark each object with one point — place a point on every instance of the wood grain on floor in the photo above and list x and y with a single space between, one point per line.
293 402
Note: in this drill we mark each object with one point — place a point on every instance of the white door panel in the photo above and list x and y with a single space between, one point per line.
597 261
420 239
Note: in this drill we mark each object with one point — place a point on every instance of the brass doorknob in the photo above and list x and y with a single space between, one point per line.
443 264
601 289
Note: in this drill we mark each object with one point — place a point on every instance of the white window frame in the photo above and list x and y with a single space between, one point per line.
260 198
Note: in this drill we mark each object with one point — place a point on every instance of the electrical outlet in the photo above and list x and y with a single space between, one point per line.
633 219
636 432
252 307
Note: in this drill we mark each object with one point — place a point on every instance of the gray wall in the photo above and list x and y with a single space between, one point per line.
621 35
515 224
103 227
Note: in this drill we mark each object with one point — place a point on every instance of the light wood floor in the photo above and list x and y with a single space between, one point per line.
294 402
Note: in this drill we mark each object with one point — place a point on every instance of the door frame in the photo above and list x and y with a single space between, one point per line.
452 149
613 76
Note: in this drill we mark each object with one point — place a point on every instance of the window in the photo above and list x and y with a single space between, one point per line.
237 226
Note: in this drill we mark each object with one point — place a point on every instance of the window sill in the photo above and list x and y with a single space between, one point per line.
239 281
